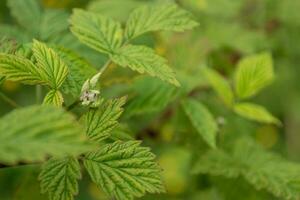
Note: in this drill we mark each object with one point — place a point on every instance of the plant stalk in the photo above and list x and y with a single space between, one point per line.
9 100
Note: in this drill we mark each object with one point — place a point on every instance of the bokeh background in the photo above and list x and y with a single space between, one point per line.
229 30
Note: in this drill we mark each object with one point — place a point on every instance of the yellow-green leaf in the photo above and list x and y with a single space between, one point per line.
255 112
220 85
253 74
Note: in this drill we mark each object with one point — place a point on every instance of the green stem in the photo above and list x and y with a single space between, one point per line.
9 100
106 65
73 105
38 92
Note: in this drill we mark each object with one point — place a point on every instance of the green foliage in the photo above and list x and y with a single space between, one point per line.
98 32
202 120
26 12
124 170
45 131
220 85
50 64
255 112
144 60
253 74
262 169
79 71
59 178
53 23
101 121
16 68
86 87
167 17
151 96
53 97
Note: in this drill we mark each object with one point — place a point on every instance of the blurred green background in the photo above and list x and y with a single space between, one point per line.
229 30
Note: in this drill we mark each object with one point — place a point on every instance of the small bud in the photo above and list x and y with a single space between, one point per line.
94 80
89 95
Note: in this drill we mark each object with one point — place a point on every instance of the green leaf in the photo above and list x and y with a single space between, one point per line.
166 16
101 121
117 9
262 169
79 71
59 178
14 32
54 97
27 13
144 60
17 68
202 120
124 170
255 112
220 85
52 66
253 74
96 31
31 134
53 23
152 96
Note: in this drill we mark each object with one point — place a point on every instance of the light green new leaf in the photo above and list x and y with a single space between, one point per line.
50 64
253 74
59 178
27 13
262 169
79 71
96 31
255 112
202 120
54 97
144 60
124 170
165 16
17 68
220 85
101 121
31 134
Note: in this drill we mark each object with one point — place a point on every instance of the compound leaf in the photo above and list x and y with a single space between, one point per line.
59 178
165 16
101 121
253 74
50 64
31 134
96 31
262 169
144 60
124 170
202 120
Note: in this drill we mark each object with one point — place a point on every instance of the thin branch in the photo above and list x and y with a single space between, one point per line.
8 100
4 166
38 93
